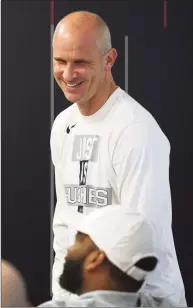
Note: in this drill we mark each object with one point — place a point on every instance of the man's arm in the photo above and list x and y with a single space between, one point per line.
59 228
141 164
60 238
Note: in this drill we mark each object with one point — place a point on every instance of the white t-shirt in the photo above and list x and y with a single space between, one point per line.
119 155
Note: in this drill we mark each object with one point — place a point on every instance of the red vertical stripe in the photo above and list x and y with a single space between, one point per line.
51 12
165 21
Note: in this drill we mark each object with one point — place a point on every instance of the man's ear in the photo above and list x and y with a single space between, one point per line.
94 260
110 59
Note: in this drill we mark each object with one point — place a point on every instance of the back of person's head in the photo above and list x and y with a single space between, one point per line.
114 250
14 292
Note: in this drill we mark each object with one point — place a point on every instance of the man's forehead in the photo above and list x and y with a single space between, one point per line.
75 41
81 235
76 52
83 238
86 239
76 48
78 29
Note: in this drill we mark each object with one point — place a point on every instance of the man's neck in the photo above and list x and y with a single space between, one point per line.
98 100
105 286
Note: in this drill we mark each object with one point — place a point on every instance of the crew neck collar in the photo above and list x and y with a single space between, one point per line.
103 111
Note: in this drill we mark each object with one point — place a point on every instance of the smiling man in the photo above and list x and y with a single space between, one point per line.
83 59
107 149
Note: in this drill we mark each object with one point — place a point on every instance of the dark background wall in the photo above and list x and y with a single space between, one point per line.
160 78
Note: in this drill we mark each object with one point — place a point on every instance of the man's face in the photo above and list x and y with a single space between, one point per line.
72 277
78 65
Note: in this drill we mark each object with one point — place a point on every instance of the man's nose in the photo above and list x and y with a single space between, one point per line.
69 73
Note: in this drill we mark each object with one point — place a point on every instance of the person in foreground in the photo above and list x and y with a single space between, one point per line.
107 266
107 149
14 291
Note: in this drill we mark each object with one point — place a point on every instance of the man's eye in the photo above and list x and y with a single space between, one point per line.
80 62
60 61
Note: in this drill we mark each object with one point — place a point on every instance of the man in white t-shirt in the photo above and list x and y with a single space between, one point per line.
107 149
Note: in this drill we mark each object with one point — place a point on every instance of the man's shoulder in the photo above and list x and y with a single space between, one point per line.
147 300
58 133
67 303
130 111
133 118
113 299
65 116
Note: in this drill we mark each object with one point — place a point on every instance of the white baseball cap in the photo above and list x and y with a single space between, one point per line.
125 237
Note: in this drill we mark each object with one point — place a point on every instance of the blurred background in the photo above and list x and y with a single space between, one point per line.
160 77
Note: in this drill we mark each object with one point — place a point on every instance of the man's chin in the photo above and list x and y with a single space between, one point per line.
70 290
68 284
71 278
72 98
